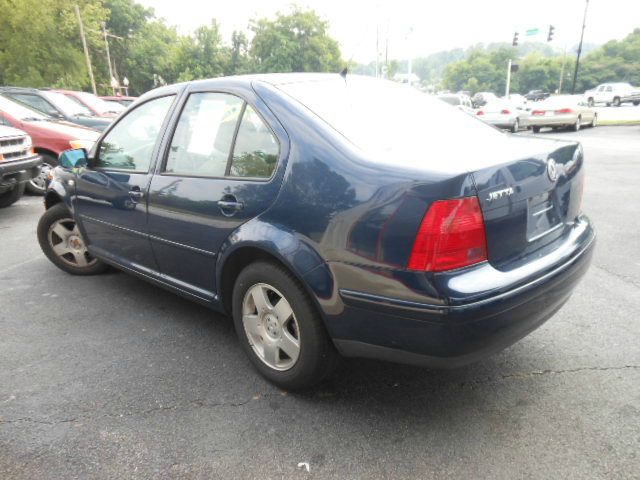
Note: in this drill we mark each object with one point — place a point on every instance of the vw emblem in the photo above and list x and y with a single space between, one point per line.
552 169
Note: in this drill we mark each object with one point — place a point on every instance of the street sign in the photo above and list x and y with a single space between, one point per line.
532 31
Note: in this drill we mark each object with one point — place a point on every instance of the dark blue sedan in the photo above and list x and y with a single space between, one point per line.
329 215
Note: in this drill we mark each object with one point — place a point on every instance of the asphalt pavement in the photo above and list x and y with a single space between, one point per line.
110 377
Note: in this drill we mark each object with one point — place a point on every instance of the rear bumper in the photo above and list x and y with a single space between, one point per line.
465 329
19 171
557 120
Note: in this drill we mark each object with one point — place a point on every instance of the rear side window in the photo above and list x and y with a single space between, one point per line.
255 153
129 145
35 102
202 141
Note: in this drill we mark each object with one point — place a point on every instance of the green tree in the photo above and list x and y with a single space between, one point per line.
294 42
202 55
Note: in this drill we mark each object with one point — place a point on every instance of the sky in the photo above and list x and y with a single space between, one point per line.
418 28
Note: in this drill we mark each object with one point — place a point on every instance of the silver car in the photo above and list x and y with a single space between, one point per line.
504 114
563 111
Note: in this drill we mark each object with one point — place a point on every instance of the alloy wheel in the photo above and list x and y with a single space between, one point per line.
271 327
39 183
67 243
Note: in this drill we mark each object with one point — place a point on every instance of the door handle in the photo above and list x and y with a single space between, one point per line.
230 205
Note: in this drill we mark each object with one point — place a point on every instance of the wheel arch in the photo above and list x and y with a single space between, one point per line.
256 241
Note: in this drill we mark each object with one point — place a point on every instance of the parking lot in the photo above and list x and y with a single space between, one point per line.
108 376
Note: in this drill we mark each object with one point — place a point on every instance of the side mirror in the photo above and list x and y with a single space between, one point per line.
71 159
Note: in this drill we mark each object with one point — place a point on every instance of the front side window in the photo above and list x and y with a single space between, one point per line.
129 145
203 137
256 150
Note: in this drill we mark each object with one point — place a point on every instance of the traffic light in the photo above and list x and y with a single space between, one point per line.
515 39
514 67
551 32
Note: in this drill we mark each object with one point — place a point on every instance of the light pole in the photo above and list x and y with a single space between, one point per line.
575 72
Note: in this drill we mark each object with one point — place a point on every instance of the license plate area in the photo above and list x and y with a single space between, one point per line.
549 113
542 218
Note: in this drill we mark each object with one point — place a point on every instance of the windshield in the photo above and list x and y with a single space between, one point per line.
69 107
19 111
98 104
450 99
389 121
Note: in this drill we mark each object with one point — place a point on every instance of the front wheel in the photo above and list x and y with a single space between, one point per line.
515 127
616 102
12 196
62 243
594 122
280 328
590 102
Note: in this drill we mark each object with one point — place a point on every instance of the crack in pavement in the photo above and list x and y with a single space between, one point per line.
197 403
624 278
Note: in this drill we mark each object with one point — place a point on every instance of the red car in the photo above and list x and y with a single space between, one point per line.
96 105
49 136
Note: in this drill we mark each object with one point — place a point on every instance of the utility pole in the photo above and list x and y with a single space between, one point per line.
506 90
86 51
106 44
575 72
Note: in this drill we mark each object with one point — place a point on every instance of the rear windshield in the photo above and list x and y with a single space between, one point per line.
386 119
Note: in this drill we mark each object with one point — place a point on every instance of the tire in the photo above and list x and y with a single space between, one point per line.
616 102
12 196
576 126
38 185
635 104
62 243
535 129
590 102
594 122
259 325
515 127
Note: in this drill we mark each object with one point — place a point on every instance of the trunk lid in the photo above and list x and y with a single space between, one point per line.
530 202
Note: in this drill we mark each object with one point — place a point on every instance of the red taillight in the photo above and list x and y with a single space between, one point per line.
505 112
479 112
537 112
451 236
564 110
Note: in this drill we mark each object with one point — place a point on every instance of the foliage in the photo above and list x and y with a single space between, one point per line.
294 42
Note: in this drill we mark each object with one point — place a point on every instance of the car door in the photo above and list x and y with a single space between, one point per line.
111 205
219 172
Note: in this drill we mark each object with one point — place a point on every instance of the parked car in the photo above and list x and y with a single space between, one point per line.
503 114
96 105
462 102
537 95
121 99
49 137
328 217
613 94
18 164
481 98
563 111
55 105
518 100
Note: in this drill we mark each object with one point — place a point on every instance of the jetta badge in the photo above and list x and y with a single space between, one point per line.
505 192
552 169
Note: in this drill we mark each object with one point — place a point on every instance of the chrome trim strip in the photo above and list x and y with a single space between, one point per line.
547 232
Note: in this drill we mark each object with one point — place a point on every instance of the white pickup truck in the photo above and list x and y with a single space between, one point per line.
613 94
18 164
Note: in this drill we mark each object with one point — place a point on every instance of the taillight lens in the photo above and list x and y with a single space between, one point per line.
451 235
537 112
479 112
505 112
564 110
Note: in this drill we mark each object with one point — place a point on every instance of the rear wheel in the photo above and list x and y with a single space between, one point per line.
590 102
635 104
535 129
62 243
38 185
594 122
616 102
280 328
515 127
12 196
576 126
